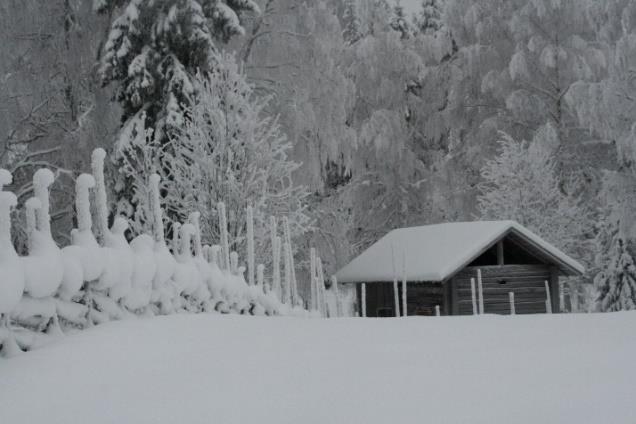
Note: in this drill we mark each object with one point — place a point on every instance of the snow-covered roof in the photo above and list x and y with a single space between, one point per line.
436 252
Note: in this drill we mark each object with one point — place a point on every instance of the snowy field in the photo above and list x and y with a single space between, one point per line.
236 369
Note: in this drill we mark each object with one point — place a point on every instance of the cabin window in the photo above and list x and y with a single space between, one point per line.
489 257
517 255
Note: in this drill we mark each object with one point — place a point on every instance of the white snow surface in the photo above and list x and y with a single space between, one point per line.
434 252
238 369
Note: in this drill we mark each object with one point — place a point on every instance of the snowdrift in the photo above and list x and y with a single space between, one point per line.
236 369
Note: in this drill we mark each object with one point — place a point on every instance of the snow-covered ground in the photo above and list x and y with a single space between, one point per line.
238 369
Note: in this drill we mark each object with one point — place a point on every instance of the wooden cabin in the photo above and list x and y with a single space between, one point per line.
438 262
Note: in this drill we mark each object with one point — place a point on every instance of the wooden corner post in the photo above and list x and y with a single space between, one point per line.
554 289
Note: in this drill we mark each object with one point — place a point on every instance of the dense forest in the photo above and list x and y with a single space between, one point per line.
351 117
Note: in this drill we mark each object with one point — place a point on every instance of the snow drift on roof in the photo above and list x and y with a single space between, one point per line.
435 252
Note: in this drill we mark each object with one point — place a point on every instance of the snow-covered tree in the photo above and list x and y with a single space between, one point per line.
151 54
399 21
229 151
522 184
428 19
616 284
351 22
606 109
554 48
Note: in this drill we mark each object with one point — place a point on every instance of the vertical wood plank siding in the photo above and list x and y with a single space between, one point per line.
421 299
527 282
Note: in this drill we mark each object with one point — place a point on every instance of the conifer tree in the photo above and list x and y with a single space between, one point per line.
616 284
151 54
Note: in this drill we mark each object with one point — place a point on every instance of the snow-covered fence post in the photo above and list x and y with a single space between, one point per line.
176 244
83 184
312 279
287 290
194 219
396 294
548 298
42 180
511 297
234 259
214 254
474 296
320 281
157 221
561 296
260 276
363 300
225 245
481 292
32 205
276 268
404 311
294 283
97 167
437 312
250 245
336 291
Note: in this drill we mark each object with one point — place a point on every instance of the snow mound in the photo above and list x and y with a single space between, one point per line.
202 368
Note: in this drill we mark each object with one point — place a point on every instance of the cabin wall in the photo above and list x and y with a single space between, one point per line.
421 299
526 281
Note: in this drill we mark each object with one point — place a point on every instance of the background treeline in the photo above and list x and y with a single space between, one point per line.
470 109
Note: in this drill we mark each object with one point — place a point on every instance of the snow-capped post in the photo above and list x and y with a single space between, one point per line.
561 296
437 312
234 268
194 219
6 178
157 218
548 298
404 312
97 167
176 245
480 292
511 297
250 245
42 180
336 292
312 279
396 294
294 282
83 184
260 276
320 280
474 296
225 245
31 206
276 286
214 254
363 300
287 295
